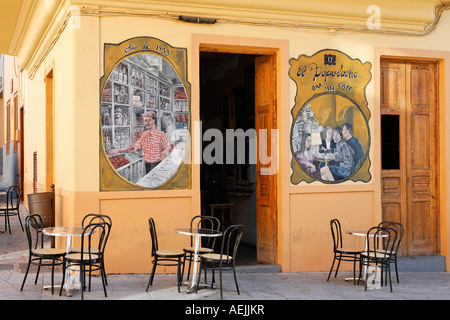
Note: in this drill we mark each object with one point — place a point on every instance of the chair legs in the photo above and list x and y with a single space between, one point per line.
213 279
396 269
37 273
385 268
7 221
339 259
26 274
187 255
331 269
179 273
150 282
83 270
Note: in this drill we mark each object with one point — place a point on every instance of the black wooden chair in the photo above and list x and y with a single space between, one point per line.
166 257
208 243
99 265
379 255
93 243
400 230
13 197
226 258
340 252
38 255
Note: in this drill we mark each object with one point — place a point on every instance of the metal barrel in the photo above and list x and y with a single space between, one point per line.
42 204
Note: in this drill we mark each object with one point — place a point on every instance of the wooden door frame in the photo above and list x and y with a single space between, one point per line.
443 59
254 46
49 127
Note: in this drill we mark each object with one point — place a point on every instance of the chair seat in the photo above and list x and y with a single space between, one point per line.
216 257
49 252
349 250
76 257
10 210
379 255
201 250
93 250
389 253
170 253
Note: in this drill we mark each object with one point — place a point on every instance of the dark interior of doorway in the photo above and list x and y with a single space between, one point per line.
227 101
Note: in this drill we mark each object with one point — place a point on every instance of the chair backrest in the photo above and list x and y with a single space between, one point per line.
98 218
206 222
389 239
95 235
13 197
400 230
230 243
33 228
154 238
336 233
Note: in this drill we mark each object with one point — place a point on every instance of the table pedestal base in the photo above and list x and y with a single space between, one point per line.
193 287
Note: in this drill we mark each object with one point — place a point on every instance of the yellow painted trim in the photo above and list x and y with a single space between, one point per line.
40 25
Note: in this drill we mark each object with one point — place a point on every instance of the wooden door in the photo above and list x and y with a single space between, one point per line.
410 189
266 195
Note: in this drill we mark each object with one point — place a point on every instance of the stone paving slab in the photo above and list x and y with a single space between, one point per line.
255 287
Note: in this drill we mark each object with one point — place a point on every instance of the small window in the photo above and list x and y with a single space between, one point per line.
390 147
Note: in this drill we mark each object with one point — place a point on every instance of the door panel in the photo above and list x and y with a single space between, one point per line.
421 97
409 194
266 209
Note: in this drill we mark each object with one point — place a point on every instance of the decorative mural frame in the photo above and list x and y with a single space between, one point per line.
144 77
330 107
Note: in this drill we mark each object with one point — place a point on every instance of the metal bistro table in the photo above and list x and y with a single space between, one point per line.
363 233
68 232
197 233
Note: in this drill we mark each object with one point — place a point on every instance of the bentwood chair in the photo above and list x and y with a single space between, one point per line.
400 230
93 242
166 257
208 243
38 255
377 255
100 264
226 259
13 196
340 252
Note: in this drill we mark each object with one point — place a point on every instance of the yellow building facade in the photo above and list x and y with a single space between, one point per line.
68 53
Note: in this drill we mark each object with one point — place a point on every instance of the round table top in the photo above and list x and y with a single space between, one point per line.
363 233
198 231
64 231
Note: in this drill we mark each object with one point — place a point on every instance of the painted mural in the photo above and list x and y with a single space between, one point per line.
144 115
330 135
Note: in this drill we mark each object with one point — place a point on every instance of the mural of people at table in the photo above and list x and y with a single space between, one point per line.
306 155
347 129
341 165
324 140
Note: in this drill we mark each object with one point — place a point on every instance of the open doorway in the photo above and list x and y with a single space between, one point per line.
227 101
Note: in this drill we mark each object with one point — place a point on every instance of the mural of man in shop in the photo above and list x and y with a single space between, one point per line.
153 142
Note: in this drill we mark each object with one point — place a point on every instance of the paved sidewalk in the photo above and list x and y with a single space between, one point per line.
254 286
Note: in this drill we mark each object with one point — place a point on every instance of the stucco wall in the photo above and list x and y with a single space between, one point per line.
304 210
